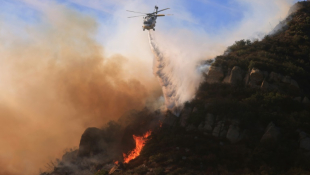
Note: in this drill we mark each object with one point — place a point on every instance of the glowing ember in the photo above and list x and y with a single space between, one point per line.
140 142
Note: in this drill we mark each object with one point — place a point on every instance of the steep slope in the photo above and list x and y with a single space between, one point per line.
252 115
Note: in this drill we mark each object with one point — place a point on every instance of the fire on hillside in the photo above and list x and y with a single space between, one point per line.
140 142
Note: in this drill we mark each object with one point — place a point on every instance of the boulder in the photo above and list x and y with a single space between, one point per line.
184 116
275 77
209 122
306 100
305 143
227 77
265 85
297 99
191 127
302 135
92 142
214 75
273 87
200 127
235 76
294 83
286 79
290 81
271 133
256 77
219 130
247 78
233 134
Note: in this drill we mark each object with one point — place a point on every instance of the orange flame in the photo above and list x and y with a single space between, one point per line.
140 142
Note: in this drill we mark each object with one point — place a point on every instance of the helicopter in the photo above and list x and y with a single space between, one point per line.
149 19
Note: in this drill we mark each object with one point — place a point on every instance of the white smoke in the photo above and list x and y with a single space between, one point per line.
176 89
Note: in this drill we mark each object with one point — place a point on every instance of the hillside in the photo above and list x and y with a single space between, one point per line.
239 125
250 116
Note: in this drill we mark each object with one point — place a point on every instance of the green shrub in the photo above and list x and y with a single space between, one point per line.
102 172
142 169
157 158
158 171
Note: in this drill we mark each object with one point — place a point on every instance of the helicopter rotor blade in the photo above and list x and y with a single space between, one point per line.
159 15
135 12
163 9
135 16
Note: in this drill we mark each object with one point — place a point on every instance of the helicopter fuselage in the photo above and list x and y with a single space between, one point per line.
149 22
149 19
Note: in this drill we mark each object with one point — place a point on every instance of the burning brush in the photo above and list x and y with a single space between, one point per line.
140 142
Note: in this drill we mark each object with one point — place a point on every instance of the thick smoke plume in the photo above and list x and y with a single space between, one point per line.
55 82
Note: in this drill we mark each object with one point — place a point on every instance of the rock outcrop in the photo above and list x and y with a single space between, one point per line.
209 122
265 85
215 75
219 130
290 81
272 133
235 76
191 128
275 77
304 141
184 116
92 142
234 134
306 100
297 99
256 78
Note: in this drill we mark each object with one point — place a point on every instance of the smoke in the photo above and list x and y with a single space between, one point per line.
55 82
100 147
176 89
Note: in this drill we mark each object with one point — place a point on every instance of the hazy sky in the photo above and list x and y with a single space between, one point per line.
213 18
206 14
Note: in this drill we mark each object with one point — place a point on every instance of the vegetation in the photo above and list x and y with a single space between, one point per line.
287 52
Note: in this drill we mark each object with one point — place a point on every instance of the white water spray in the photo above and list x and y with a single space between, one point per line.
179 72
169 88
